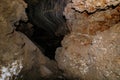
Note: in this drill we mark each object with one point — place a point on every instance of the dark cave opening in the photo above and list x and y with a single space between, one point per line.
41 38
47 42
46 25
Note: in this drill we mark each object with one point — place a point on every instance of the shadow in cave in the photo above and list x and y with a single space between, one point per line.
46 27
49 24
45 41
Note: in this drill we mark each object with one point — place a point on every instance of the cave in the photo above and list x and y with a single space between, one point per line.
48 25
46 42
59 39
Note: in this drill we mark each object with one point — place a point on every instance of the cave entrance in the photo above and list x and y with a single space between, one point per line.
47 22
46 42
41 38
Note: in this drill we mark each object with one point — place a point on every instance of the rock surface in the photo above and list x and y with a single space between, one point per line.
17 53
90 52
91 57
11 44
92 49
92 5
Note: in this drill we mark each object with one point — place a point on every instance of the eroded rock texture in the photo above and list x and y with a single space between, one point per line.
92 50
11 51
92 5
17 52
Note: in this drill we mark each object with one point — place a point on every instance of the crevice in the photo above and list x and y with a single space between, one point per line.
41 38
46 25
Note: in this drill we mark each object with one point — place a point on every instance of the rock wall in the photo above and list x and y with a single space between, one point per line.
92 5
17 53
92 49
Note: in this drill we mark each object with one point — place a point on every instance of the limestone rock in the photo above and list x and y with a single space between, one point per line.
91 57
91 50
89 24
17 53
92 5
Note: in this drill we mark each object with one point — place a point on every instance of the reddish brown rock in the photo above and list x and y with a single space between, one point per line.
91 50
91 23
92 5
91 57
